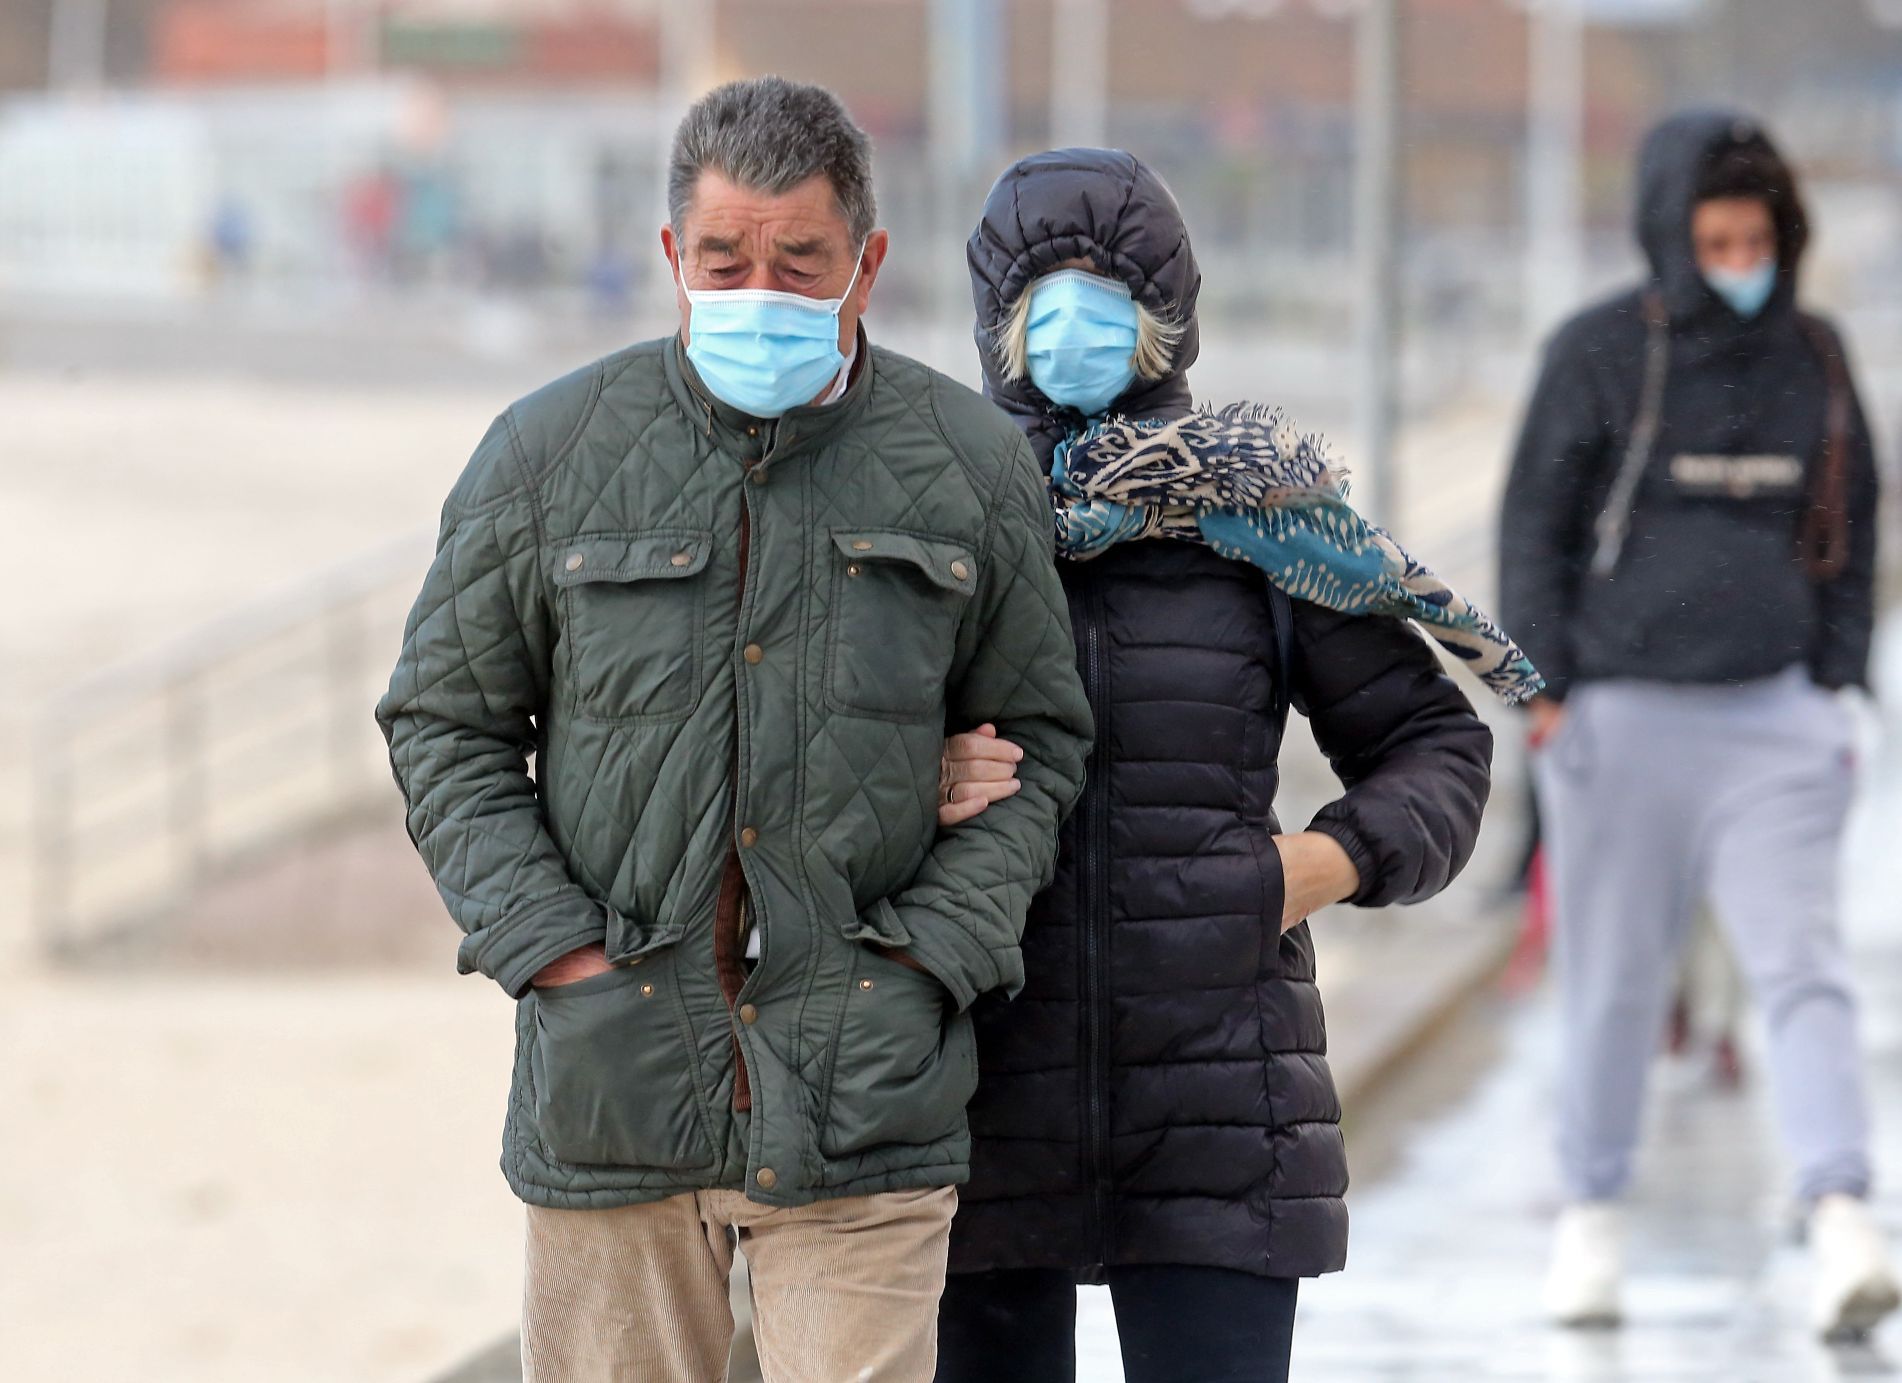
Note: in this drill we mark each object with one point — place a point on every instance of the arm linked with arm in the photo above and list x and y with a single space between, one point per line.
1015 668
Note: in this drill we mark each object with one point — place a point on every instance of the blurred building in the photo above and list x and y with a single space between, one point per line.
517 43
418 144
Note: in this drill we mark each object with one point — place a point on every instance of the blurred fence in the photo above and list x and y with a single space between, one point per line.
155 776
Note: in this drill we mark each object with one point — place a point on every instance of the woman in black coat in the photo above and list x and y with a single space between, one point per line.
1155 1109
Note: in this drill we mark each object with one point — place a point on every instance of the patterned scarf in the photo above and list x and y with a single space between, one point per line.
1242 481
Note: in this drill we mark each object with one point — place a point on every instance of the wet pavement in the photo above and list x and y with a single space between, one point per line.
1455 1193
1455 1199
1449 1249
1449 1243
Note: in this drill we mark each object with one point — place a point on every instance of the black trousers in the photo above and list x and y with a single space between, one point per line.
1176 1325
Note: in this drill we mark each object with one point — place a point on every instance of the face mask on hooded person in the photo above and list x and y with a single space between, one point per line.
763 351
1734 234
1746 290
1080 340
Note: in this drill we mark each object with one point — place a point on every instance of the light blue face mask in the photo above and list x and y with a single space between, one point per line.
1746 290
765 352
1081 339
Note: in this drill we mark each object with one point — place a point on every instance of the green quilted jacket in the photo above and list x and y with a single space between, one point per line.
731 650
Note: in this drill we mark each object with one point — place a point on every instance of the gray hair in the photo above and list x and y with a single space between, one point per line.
770 135
1156 340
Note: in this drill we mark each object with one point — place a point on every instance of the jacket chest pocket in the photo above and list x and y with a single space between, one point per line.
634 621
897 601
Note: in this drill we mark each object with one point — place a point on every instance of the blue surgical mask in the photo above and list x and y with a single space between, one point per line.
765 352
1081 340
1746 290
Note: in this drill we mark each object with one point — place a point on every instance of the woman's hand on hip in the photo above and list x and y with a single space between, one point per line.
1315 873
977 769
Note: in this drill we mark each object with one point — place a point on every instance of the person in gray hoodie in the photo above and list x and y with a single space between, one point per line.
1688 553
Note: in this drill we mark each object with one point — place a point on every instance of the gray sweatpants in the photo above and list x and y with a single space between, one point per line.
1655 798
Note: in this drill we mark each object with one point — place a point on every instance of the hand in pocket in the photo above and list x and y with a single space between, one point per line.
581 964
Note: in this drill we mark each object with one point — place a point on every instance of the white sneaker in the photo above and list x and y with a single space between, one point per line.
1588 1251
1855 1282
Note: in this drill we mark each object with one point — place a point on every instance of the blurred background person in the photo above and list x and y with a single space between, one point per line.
229 241
371 208
1688 549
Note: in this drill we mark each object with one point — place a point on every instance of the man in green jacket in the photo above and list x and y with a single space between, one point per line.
729 591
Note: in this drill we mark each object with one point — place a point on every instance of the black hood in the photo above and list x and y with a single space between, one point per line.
1105 206
1676 154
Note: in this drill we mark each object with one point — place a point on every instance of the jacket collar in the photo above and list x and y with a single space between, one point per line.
740 434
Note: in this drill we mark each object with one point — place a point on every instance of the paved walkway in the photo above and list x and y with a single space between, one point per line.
1455 1194
1449 1248
1450 1244
1455 1199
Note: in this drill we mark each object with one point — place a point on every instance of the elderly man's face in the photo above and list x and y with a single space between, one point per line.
795 242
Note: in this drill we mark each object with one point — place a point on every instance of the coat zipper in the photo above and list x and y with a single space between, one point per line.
1095 922
730 911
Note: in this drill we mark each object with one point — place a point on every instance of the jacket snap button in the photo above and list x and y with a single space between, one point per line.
852 570
757 475
754 653
767 1178
748 1014
861 546
749 837
959 570
682 559
865 984
647 990
574 562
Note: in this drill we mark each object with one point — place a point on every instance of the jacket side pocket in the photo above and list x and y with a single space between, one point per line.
613 1073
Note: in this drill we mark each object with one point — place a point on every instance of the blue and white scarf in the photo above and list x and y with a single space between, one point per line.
1242 481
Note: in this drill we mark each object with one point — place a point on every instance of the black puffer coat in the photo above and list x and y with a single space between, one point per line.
1159 1092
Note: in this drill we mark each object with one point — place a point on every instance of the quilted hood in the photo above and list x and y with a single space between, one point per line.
1102 205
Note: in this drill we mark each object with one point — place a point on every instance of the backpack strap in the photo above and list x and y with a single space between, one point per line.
1614 523
1824 541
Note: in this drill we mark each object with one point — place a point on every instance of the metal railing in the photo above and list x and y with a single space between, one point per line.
153 776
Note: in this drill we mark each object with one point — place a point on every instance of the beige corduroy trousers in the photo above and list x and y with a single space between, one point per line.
843 1289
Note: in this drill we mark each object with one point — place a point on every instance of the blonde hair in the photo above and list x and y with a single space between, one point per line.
1156 340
